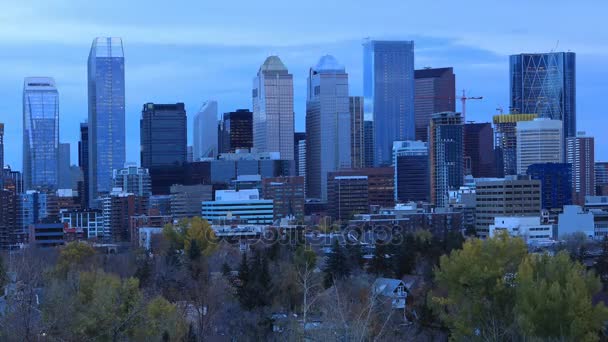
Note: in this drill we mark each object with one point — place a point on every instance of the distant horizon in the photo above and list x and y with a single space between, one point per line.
204 52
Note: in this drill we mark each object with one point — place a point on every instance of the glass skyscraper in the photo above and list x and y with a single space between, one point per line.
205 132
328 126
106 78
388 90
545 84
40 133
273 116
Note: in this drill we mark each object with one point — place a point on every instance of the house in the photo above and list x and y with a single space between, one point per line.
394 289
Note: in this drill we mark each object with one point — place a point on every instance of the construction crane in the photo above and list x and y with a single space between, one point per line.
464 100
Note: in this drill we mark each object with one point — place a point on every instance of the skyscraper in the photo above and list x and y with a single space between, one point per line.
435 93
479 150
505 139
411 162
133 179
63 167
555 184
205 131
273 116
106 78
446 154
357 137
601 178
539 141
328 147
388 89
297 137
368 143
163 137
236 131
40 133
83 163
545 84
580 153
1 149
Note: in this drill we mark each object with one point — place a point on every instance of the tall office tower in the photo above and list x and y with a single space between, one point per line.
555 184
368 143
545 84
348 195
479 150
1 148
133 179
539 141
601 178
190 153
580 153
83 163
273 116
301 170
411 162
297 137
163 137
328 147
106 78
205 131
357 140
236 131
40 133
512 196
505 139
435 91
388 89
446 155
63 167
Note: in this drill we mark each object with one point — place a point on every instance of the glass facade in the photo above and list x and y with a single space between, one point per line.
446 143
236 131
328 147
556 184
411 161
40 133
205 132
106 80
388 90
545 84
435 92
273 116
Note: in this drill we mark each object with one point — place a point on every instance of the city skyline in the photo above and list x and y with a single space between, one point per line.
477 51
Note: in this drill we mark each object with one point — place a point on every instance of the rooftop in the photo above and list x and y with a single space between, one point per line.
273 63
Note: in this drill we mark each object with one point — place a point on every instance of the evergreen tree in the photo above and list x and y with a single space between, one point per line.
404 259
337 266
601 267
381 261
243 284
226 269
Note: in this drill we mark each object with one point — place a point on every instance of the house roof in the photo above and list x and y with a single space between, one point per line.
387 286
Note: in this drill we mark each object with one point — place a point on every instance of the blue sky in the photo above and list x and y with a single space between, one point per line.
191 51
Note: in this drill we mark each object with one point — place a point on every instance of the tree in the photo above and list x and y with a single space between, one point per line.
476 292
404 258
553 299
194 236
337 265
601 267
75 256
162 322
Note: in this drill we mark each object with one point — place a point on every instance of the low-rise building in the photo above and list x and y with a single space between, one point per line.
244 205
528 228
47 234
90 222
575 220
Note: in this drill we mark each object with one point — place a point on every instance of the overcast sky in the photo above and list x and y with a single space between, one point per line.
191 51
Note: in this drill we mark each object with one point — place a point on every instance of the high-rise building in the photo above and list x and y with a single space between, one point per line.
580 153
357 145
83 163
539 141
505 139
328 147
106 130
348 195
190 154
163 136
287 194
133 179
236 131
388 89
545 84
411 163
510 196
63 167
118 208
1 149
368 143
301 169
555 184
601 178
479 150
380 183
446 155
40 133
273 116
205 135
297 137
435 90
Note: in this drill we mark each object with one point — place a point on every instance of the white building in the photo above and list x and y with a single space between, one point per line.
539 141
205 132
146 234
528 228
575 220
273 116
328 129
244 205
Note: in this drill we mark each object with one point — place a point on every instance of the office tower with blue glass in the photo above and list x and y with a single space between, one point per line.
273 116
411 162
328 146
205 132
446 155
435 90
163 139
64 175
388 90
357 137
40 133
545 84
106 79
